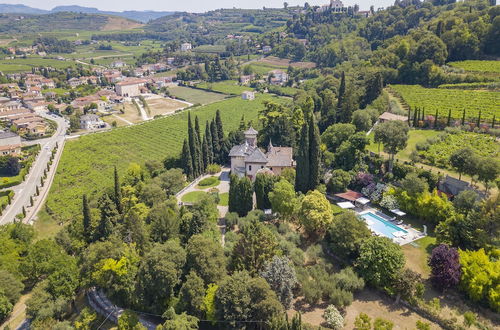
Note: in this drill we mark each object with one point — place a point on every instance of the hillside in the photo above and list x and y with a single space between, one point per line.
11 23
136 15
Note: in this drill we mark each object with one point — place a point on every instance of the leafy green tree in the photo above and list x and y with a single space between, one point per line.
209 302
200 217
362 120
64 281
363 322
408 285
394 136
379 261
280 274
109 217
480 275
206 257
171 181
284 200
346 234
129 320
86 320
159 273
178 321
414 185
336 134
164 222
381 324
256 245
5 307
339 181
374 87
10 286
243 298
464 161
488 170
315 213
192 294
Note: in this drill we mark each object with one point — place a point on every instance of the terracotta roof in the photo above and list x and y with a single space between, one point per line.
350 195
10 147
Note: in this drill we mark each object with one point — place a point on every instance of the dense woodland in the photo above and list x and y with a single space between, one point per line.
151 255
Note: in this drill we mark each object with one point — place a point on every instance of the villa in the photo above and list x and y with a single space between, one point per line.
248 159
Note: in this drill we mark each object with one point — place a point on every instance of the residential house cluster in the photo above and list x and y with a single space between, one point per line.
23 119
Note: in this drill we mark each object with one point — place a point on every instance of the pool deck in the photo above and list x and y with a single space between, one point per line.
411 235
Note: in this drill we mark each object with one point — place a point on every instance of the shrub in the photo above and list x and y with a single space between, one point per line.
207 182
381 324
333 318
213 168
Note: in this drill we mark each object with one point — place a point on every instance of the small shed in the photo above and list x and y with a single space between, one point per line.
346 205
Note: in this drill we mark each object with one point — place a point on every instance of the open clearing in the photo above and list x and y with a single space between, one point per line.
162 106
118 23
195 96
130 112
283 62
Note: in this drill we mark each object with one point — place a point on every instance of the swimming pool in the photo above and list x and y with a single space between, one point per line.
381 226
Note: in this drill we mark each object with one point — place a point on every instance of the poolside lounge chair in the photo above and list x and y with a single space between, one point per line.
400 222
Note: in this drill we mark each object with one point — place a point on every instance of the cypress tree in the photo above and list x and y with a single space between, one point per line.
220 128
215 141
423 114
436 119
233 202
31 200
186 160
409 116
448 122
199 148
340 97
415 116
87 219
479 119
37 191
263 185
197 128
246 196
493 122
193 148
208 136
205 153
302 169
242 126
118 192
314 154
463 118
109 214
24 212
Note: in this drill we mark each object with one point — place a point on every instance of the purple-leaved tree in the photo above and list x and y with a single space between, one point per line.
445 267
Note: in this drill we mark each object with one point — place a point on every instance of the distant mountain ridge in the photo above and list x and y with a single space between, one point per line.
140 16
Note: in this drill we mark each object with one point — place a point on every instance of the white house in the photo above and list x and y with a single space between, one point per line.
247 95
278 77
248 159
186 47
118 64
91 122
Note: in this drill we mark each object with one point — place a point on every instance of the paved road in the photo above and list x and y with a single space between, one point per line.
28 187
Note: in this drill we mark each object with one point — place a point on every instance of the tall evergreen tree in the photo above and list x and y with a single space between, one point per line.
240 195
243 125
302 169
205 152
220 128
478 124
463 118
109 216
187 161
118 192
448 121
193 148
314 154
263 185
216 142
341 96
493 122
415 117
87 219
436 119
197 128
208 136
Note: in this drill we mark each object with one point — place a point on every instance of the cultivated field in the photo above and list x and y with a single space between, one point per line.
477 66
158 106
87 163
230 87
195 96
275 61
442 100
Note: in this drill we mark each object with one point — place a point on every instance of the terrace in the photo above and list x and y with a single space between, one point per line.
378 222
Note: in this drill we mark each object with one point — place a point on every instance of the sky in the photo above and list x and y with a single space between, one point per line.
185 5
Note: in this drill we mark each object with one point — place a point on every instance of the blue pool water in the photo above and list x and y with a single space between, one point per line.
380 225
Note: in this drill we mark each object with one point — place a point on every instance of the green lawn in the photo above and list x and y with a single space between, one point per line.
224 199
477 66
195 96
193 196
86 166
230 87
25 64
263 68
416 136
208 183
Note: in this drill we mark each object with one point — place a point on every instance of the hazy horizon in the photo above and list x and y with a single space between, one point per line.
187 5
